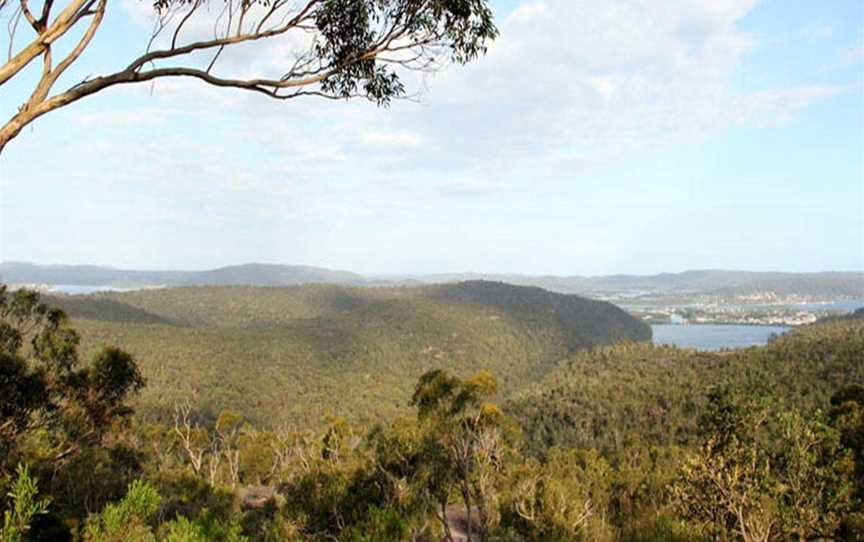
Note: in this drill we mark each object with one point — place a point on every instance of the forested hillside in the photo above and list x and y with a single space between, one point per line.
602 397
587 322
628 443
296 355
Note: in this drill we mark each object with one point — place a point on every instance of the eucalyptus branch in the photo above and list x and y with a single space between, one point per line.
352 50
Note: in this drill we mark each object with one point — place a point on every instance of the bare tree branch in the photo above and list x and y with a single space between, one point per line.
25 9
62 24
11 28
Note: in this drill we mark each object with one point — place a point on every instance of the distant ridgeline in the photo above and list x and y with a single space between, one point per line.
94 275
706 282
298 354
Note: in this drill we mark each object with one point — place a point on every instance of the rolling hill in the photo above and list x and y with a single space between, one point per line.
298 354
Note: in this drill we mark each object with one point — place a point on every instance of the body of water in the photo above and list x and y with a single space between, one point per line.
714 337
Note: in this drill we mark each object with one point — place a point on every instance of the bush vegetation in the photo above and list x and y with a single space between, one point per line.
622 443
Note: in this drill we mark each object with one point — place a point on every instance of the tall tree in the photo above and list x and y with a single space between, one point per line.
762 476
465 446
46 395
342 48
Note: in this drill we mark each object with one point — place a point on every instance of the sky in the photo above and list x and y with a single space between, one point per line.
595 137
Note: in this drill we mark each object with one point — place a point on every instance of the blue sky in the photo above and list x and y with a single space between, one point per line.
596 137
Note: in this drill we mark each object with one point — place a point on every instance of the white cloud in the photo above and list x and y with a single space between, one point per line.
591 80
395 140
568 85
580 82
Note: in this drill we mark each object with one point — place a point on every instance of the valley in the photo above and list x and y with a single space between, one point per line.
298 355
432 271
331 412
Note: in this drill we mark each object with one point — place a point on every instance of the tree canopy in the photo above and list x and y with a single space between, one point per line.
628 443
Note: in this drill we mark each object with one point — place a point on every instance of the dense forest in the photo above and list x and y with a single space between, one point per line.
626 442
299 354
601 397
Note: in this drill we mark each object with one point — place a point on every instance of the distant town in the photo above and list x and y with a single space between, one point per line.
762 308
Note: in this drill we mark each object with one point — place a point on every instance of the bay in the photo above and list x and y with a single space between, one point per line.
712 337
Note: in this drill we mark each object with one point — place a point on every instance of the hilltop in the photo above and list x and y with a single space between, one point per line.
298 354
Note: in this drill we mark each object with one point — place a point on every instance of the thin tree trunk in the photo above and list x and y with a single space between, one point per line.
468 526
447 533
